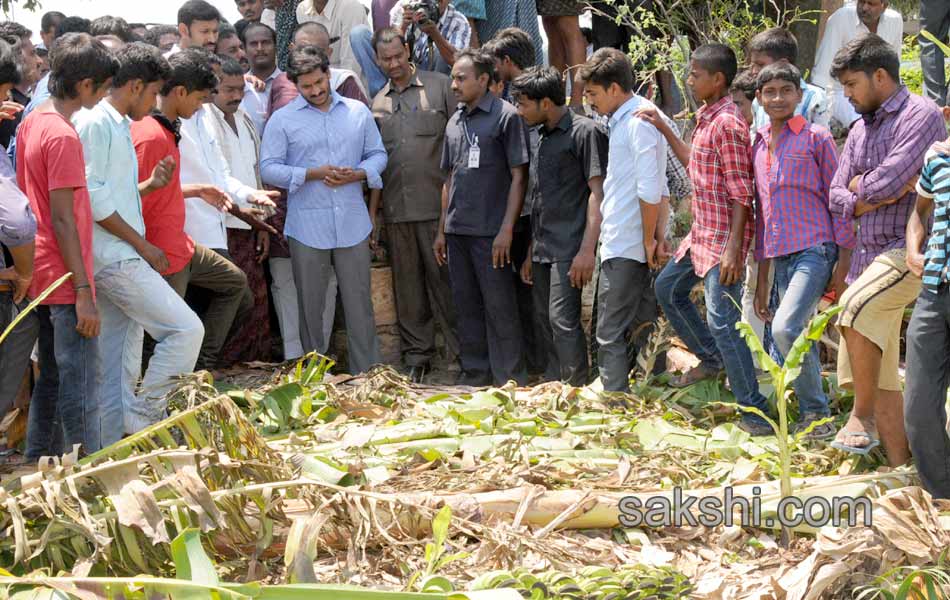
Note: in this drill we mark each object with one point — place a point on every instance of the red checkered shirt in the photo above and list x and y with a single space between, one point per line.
720 169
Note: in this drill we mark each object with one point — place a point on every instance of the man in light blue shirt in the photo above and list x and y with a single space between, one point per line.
631 233
321 148
132 295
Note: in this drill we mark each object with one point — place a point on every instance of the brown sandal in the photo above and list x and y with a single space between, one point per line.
694 376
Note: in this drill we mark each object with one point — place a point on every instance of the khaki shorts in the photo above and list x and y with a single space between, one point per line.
874 307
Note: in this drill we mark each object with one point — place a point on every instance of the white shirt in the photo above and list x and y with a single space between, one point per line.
239 150
203 163
339 17
269 18
842 27
636 170
257 104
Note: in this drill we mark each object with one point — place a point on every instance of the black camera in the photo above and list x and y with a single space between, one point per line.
429 7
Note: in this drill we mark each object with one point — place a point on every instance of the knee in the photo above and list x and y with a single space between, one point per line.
664 289
784 334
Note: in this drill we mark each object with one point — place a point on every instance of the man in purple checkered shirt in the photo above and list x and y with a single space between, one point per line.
874 186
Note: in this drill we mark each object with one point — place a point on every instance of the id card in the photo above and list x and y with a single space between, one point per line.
474 157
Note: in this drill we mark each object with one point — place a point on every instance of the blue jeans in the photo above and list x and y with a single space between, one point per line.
66 390
800 281
719 343
361 41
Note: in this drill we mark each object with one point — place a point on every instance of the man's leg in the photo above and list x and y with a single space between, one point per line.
15 350
284 290
311 268
437 282
801 280
42 420
228 285
928 374
329 310
621 287
355 284
673 288
416 325
361 41
935 18
568 333
722 313
503 326
472 331
748 299
541 298
78 399
534 344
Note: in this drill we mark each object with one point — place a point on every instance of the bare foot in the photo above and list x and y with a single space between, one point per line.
694 375
851 433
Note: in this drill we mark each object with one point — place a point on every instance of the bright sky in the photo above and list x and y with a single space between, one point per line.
134 11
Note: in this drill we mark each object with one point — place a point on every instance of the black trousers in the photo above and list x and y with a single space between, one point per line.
489 329
558 307
624 297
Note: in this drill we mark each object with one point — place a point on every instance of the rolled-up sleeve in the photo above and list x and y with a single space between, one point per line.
651 178
734 145
274 168
374 159
95 139
17 223
841 200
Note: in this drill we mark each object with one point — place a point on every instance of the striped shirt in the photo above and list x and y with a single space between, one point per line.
792 187
453 26
814 106
934 183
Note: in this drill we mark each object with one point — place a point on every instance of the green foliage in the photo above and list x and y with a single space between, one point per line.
910 583
435 556
591 583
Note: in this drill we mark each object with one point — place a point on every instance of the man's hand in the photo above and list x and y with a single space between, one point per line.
161 174
730 267
428 26
664 251
262 245
264 197
915 262
582 269
374 235
9 110
255 82
862 208
216 197
761 304
853 184
650 115
253 217
525 272
838 281
649 248
20 282
438 248
87 317
501 248
339 176
154 256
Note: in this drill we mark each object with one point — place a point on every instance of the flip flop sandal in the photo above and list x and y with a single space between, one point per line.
862 450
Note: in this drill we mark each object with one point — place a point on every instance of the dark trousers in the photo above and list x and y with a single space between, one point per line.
489 328
935 18
66 392
925 391
227 285
422 293
15 350
535 346
558 306
623 287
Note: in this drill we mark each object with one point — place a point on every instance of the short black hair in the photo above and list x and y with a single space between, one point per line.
10 68
139 60
482 61
310 25
515 44
191 70
607 66
777 43
305 60
717 58
745 82
781 71
226 30
154 35
72 25
13 32
229 66
387 35
51 20
197 10
258 25
867 53
75 57
538 83
109 25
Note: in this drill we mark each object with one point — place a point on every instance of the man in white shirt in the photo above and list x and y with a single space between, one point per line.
847 23
260 46
339 17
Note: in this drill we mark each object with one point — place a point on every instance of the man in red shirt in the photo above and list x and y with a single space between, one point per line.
156 137
52 172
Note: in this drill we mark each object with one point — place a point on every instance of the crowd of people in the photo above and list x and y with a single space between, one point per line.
181 182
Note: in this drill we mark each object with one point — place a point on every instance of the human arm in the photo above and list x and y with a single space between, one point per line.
160 177
732 141
438 246
646 142
458 36
582 267
760 303
62 201
680 148
917 222
375 201
501 246
17 232
664 249
152 254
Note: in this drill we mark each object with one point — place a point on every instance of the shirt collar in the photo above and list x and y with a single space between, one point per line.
174 127
414 81
327 10
890 106
485 104
796 125
625 108
564 123
112 112
710 111
301 103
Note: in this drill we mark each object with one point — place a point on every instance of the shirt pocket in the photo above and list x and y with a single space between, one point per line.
427 123
798 170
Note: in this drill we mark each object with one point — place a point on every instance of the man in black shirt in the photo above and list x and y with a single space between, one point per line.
485 156
569 169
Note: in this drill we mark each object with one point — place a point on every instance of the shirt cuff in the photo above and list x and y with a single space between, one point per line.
298 177
373 179
244 194
102 207
922 192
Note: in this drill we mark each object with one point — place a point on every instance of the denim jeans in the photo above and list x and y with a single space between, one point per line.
66 387
15 350
133 298
719 343
925 391
361 41
800 282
